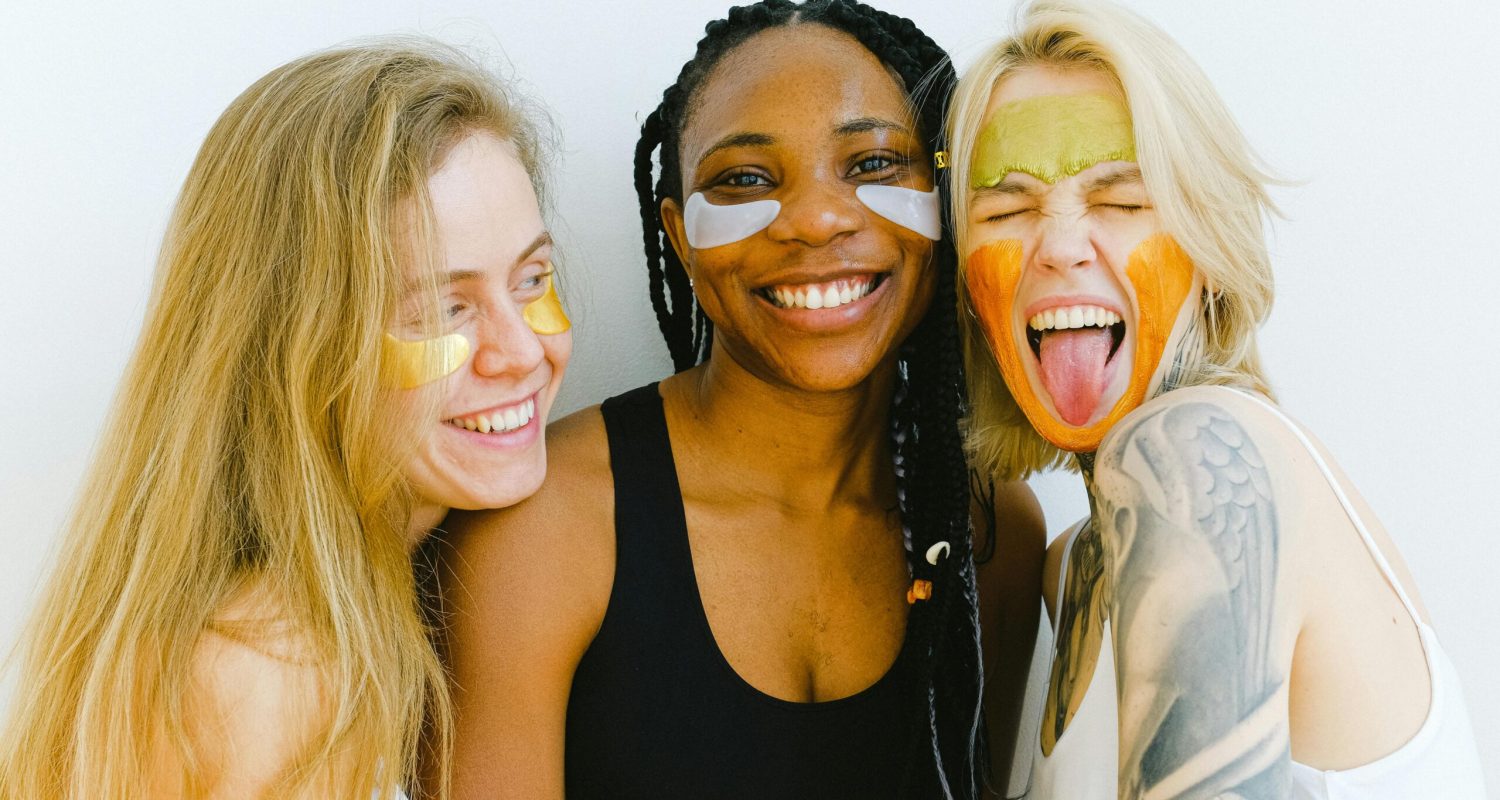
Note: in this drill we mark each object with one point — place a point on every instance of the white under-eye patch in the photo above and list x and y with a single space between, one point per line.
911 209
709 225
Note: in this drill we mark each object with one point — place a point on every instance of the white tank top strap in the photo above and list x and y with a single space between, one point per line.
1343 498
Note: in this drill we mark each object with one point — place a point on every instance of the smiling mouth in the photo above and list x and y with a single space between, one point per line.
1074 346
503 420
828 294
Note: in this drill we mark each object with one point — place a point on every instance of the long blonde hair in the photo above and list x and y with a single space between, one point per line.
252 445
1206 184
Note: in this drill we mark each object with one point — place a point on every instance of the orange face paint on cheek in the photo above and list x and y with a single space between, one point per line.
1162 276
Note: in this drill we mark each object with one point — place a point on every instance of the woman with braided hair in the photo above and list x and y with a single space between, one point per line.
756 578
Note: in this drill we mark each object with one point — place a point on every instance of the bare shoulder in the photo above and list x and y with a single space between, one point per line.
524 591
1009 525
1201 414
556 547
254 698
1052 565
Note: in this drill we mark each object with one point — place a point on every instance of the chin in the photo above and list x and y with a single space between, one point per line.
506 487
485 484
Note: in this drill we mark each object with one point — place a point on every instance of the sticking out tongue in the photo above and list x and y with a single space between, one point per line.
1073 370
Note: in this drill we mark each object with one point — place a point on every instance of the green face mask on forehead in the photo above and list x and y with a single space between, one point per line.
1052 137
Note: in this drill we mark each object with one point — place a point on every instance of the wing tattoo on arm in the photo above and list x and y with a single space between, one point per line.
1189 523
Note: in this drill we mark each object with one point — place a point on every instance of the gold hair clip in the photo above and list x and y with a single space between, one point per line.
940 158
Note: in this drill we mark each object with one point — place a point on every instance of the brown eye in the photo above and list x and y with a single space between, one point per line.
745 180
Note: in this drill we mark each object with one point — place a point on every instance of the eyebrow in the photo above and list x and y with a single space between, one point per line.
741 139
1121 175
1004 188
459 275
867 124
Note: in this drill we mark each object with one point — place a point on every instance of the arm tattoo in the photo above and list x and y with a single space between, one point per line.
1189 524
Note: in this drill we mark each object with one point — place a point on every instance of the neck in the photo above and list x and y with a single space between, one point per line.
1186 356
1086 468
424 517
805 448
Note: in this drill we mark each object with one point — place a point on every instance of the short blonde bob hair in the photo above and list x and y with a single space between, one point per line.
1207 186
253 449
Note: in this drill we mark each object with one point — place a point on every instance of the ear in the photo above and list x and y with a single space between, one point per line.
671 220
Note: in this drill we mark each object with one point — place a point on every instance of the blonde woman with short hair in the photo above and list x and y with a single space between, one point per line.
352 330
1231 620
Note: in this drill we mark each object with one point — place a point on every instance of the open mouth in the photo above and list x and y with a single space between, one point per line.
829 294
1074 348
501 420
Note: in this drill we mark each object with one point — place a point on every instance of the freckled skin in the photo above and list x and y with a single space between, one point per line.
822 225
781 439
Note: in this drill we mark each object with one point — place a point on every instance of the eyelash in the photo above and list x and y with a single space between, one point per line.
730 180
887 162
1006 216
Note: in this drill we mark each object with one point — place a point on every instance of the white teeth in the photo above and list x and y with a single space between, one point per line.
1072 317
499 421
823 295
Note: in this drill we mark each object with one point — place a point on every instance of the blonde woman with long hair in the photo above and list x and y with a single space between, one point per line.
1231 620
353 329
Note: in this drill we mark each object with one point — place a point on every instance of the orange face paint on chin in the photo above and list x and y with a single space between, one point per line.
1161 275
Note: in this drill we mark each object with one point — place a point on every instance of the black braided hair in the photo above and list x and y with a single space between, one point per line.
947 740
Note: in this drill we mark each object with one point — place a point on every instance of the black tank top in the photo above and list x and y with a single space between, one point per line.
657 712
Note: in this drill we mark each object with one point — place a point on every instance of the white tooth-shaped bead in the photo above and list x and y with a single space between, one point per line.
1075 317
799 299
512 420
814 297
484 424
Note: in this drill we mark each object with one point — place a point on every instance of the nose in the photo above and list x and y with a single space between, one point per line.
505 346
1065 243
816 212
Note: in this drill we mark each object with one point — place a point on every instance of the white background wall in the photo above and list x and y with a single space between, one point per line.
1386 111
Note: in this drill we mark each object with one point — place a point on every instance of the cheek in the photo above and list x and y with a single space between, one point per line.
558 349
1162 276
992 275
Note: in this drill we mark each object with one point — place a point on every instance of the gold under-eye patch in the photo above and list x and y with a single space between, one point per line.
411 364
545 314
1052 137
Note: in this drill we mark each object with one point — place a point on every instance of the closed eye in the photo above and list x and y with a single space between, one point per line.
1007 215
